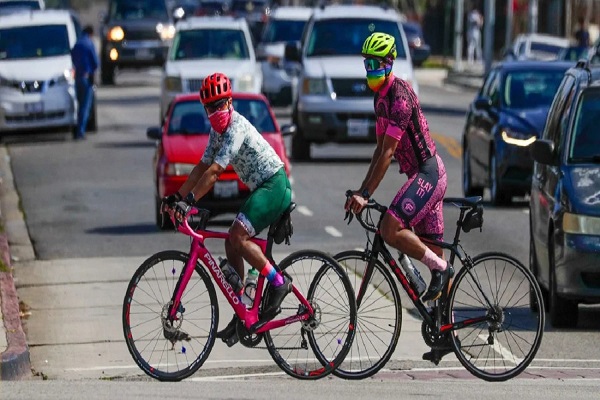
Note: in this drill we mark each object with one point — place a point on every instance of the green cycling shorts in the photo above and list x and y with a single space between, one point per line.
266 203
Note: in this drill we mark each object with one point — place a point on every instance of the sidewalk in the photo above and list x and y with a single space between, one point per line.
14 238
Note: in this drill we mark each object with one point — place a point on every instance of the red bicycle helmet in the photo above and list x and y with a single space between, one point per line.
215 87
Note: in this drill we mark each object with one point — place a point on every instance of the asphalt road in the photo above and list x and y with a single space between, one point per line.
89 208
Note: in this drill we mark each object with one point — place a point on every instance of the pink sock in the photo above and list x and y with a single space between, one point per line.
433 261
272 275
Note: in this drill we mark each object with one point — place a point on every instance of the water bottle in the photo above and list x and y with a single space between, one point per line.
250 287
230 275
413 275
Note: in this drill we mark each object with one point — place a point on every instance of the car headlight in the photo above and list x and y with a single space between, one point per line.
517 138
179 169
173 84
314 86
166 31
581 224
116 34
68 76
245 83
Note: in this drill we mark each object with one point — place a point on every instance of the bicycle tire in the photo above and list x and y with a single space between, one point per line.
504 351
148 294
371 333
326 286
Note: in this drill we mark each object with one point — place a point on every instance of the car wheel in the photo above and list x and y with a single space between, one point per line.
563 312
107 74
163 222
468 188
498 195
300 147
534 268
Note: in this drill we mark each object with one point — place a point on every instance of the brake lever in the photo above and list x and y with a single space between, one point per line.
349 216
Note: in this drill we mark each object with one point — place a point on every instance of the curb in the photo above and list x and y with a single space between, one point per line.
14 361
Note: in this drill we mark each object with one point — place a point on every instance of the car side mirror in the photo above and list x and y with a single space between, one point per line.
292 51
154 133
483 103
542 151
288 129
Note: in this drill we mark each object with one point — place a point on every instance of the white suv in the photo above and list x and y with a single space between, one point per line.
37 85
203 46
333 102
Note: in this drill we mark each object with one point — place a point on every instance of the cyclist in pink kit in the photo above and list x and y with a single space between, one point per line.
403 133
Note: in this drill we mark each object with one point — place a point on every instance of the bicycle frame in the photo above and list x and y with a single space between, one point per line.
198 251
379 247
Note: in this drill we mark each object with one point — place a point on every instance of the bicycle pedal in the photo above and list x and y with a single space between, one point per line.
231 340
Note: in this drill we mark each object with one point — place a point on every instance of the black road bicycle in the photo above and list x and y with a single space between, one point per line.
491 315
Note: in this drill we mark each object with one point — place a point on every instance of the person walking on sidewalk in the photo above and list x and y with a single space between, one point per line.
85 63
474 24
403 133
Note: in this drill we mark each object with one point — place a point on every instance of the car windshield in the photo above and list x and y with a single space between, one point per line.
282 30
249 6
584 143
34 42
189 117
531 89
345 37
29 5
210 43
121 10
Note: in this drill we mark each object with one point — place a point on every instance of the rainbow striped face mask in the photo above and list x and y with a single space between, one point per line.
377 71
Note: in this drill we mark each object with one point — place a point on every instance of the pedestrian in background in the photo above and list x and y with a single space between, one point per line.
85 62
475 22
582 35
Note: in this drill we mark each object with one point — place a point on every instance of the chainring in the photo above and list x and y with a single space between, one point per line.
246 338
431 338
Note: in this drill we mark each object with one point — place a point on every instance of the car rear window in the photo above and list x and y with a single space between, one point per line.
531 89
584 146
38 41
210 43
189 117
345 36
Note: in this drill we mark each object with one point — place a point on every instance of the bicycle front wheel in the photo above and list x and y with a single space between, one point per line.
379 317
169 351
496 287
313 349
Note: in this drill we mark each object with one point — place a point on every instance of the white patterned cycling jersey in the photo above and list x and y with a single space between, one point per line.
248 152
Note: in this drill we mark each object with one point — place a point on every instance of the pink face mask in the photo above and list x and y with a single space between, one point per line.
219 120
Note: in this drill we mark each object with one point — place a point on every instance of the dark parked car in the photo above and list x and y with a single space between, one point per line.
507 115
419 50
135 33
256 13
565 198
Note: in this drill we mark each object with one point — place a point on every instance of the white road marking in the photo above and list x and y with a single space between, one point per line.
304 211
503 351
228 377
109 367
333 232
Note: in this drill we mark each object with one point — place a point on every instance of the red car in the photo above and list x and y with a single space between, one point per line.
181 142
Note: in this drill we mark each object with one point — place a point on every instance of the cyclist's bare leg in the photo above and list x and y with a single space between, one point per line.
234 257
405 240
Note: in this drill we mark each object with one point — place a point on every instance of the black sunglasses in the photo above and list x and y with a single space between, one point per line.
215 105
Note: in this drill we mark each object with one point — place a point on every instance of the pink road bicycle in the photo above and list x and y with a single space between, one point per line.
171 312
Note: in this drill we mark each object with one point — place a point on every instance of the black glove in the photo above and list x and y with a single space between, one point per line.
182 207
169 201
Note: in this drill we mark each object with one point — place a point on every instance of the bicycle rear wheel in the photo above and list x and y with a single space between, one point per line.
169 351
313 349
379 317
501 348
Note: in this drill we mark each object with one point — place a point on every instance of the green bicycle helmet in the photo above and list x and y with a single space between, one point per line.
380 45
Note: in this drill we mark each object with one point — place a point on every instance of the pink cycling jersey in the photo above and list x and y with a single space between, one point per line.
418 203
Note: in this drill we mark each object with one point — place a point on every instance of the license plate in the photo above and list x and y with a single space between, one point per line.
143 54
34 108
358 127
226 189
